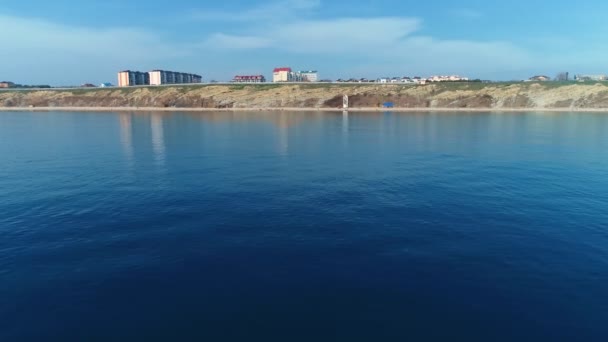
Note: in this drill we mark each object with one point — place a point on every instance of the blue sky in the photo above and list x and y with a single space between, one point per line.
63 42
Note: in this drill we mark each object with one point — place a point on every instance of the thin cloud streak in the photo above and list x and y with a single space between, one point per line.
287 8
385 41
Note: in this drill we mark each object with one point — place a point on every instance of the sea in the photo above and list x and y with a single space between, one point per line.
303 226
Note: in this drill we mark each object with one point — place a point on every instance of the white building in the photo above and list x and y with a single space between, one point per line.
309 76
590 77
445 78
282 75
285 74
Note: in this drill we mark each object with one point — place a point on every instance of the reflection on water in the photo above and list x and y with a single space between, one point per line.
345 128
489 226
126 137
465 132
158 140
282 122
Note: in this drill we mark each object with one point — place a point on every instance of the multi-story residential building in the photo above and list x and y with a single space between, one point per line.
156 77
590 77
309 76
282 75
130 78
160 77
287 75
6 84
249 79
296 77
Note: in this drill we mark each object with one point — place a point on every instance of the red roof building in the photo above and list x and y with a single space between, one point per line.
283 74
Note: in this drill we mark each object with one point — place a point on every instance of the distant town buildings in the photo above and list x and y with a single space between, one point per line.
563 77
129 78
309 76
451 78
539 78
285 74
249 79
420 80
7 84
583 78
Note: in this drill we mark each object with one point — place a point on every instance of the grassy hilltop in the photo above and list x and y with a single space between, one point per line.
550 95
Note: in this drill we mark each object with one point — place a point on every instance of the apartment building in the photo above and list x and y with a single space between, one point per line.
249 79
282 75
309 76
6 84
582 78
160 77
130 78
287 75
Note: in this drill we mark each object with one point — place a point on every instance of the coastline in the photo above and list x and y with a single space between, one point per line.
457 97
298 109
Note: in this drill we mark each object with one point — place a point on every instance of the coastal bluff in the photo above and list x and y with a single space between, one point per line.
318 96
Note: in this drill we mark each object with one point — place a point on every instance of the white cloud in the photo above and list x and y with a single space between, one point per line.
322 36
46 51
34 35
39 51
387 40
384 43
344 34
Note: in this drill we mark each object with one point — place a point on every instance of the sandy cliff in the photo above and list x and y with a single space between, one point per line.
449 95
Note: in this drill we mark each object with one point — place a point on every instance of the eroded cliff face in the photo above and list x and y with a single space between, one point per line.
456 95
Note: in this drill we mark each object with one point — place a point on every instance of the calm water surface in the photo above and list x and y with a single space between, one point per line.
303 227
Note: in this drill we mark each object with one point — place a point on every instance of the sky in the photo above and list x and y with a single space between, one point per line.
67 42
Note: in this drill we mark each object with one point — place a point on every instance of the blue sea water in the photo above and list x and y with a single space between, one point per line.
303 226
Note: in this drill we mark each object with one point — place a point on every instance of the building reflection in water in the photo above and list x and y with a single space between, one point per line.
345 128
158 139
126 137
282 122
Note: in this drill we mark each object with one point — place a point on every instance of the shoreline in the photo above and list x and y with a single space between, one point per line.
296 109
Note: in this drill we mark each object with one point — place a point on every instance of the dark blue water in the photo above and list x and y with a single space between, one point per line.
303 227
